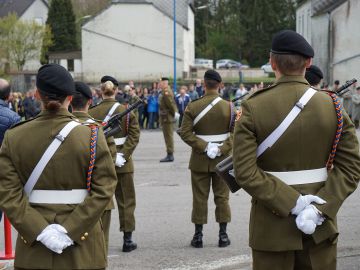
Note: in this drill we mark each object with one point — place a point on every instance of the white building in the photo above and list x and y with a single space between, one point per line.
133 40
27 10
331 28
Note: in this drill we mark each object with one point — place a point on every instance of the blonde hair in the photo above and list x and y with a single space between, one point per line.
108 88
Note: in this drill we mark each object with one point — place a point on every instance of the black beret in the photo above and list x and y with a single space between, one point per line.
83 89
164 79
55 80
212 75
290 42
313 75
109 78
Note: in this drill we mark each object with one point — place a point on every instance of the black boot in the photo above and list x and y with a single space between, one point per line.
129 245
197 242
168 158
224 240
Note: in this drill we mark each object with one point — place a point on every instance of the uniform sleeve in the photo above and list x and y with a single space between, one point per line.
84 217
227 144
170 103
187 134
112 147
344 177
269 190
13 201
133 137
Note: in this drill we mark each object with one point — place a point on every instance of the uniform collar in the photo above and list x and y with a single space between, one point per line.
211 94
81 114
108 100
61 112
287 79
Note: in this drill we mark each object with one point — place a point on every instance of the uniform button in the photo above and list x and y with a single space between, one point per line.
25 242
82 238
22 238
86 234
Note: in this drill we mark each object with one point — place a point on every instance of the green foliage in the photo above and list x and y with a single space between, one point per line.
21 41
240 29
61 20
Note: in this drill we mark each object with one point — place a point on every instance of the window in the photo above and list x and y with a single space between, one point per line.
70 64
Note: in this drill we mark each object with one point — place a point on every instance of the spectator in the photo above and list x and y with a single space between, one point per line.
153 108
182 100
7 116
199 88
143 113
32 107
96 99
192 93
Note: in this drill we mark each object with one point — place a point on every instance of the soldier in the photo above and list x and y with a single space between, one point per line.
126 141
50 189
80 104
207 127
314 76
297 187
167 109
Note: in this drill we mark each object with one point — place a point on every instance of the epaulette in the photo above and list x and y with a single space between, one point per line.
22 122
261 91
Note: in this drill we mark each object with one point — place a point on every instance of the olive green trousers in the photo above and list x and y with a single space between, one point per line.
168 131
312 257
201 183
126 201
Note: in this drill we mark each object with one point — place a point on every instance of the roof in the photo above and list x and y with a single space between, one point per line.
166 7
16 6
65 55
323 6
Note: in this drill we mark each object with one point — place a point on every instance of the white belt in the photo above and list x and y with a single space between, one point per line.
302 177
214 138
74 196
120 141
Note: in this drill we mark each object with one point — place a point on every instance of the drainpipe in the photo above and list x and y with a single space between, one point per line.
330 50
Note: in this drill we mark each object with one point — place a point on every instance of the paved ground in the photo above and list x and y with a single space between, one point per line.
164 230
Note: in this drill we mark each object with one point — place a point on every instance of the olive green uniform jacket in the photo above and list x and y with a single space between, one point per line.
83 117
22 148
216 121
305 145
130 129
167 106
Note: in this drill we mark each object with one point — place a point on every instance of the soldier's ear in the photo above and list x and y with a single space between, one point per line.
308 62
69 98
37 94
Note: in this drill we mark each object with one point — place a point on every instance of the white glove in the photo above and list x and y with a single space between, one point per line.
55 238
212 150
308 219
177 116
305 200
120 160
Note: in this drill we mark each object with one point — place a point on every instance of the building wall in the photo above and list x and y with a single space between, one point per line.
188 45
131 41
345 41
303 20
320 43
38 12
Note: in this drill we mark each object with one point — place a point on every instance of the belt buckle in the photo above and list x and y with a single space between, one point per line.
60 137
300 105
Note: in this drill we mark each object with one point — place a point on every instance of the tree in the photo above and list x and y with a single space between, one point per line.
240 29
21 41
61 20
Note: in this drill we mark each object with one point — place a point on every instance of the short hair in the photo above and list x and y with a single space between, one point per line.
337 82
5 92
211 84
289 64
79 101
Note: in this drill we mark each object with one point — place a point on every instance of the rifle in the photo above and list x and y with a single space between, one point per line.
238 98
113 126
344 88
